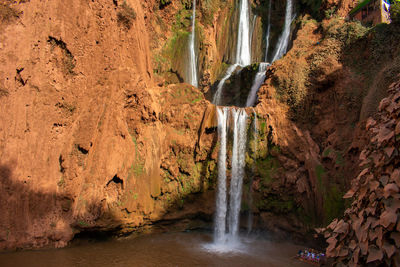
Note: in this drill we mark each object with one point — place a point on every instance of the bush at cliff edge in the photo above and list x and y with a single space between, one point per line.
395 12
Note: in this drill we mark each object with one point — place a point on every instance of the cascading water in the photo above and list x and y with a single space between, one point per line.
226 229
227 223
243 54
218 93
280 51
192 54
258 81
238 164
283 42
243 48
268 31
221 208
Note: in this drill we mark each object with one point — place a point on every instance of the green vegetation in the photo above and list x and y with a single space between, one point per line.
137 168
70 108
164 3
312 6
276 204
334 204
267 168
61 182
320 173
339 159
83 223
208 9
395 12
359 6
125 16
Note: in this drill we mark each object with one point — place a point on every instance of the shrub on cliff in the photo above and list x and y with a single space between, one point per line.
164 3
126 15
7 13
312 6
395 12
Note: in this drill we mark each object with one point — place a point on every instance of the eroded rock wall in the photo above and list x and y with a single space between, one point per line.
88 141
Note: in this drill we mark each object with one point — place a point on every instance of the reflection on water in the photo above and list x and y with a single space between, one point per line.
171 249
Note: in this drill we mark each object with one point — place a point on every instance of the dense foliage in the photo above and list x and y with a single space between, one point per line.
395 12
312 6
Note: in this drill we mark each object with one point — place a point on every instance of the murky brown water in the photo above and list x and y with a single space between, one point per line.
171 249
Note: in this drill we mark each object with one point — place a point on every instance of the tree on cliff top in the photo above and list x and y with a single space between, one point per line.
395 12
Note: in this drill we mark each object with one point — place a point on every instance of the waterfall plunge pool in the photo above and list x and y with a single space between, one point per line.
168 249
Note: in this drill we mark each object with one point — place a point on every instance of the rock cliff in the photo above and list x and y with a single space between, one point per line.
99 132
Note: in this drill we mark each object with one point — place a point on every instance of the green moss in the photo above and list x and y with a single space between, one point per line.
61 182
395 12
320 173
266 169
334 204
276 204
339 159
138 169
327 152
83 223
208 10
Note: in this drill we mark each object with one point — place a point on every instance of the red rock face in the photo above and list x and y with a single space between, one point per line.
86 139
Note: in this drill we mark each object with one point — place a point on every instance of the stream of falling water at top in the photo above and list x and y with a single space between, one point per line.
226 227
243 48
227 215
192 54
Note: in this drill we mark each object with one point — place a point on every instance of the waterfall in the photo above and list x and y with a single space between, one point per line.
243 49
238 164
226 228
192 54
283 42
218 93
258 81
243 54
221 207
280 51
250 199
268 31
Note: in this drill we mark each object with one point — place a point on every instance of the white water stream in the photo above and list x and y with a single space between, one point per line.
258 81
221 208
268 31
227 214
227 217
283 42
192 54
243 53
243 48
238 164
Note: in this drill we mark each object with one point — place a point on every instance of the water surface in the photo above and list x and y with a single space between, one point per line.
170 249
